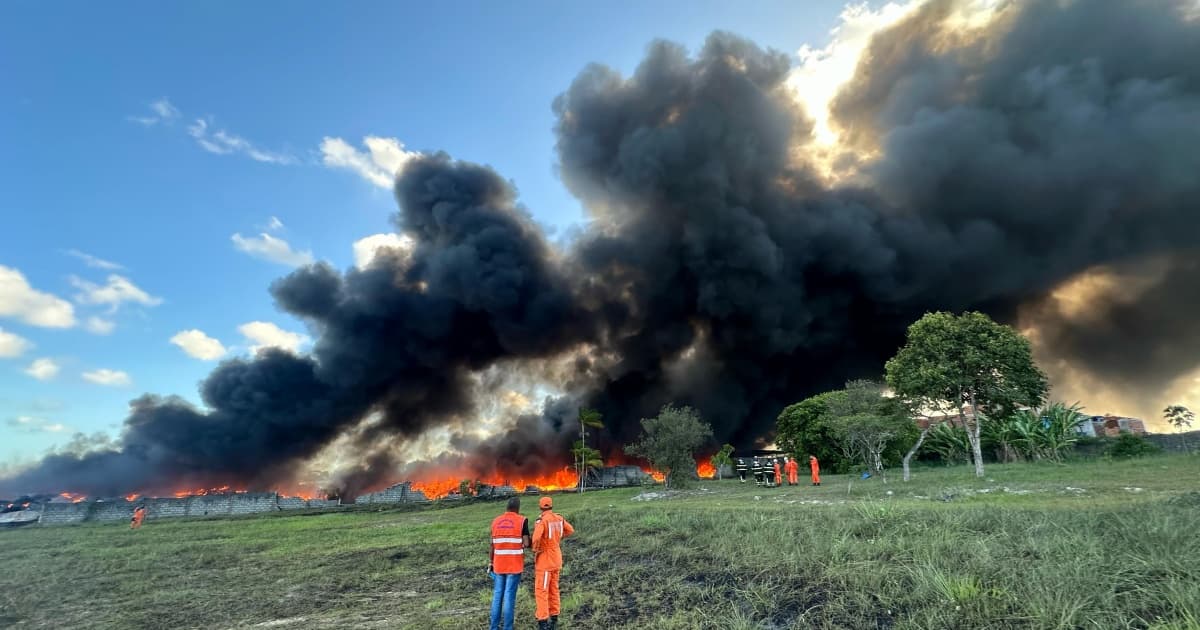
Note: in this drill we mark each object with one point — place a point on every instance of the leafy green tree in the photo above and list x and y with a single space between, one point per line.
806 428
722 458
586 458
669 442
1179 417
866 423
950 362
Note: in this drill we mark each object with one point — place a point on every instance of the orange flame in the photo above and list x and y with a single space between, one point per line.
705 470
132 497
448 482
73 498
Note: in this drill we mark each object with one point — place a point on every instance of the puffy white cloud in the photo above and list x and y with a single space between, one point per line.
107 377
31 424
270 248
222 142
93 261
161 111
43 369
99 325
12 345
267 335
115 292
23 302
378 164
199 345
365 249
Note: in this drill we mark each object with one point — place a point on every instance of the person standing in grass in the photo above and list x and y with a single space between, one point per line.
548 533
815 466
741 469
756 467
793 471
139 515
506 561
776 474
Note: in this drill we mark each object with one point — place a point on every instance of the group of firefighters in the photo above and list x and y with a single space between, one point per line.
771 472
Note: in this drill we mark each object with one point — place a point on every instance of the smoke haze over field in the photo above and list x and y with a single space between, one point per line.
1013 158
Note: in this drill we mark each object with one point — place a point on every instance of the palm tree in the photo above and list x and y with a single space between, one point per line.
586 458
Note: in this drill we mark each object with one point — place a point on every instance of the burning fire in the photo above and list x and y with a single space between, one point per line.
73 498
205 491
132 497
445 485
706 470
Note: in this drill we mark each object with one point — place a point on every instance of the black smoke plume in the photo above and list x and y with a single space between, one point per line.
989 165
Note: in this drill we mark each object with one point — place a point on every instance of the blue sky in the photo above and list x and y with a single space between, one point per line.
139 138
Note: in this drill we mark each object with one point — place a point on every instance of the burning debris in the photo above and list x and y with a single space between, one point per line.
721 267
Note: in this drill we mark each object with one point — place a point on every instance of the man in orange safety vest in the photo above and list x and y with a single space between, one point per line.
548 532
816 469
510 538
139 515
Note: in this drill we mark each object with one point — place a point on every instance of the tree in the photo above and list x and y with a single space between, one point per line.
722 458
806 428
586 458
1180 417
867 422
951 362
669 442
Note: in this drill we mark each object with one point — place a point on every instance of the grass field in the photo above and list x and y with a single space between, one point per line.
1089 545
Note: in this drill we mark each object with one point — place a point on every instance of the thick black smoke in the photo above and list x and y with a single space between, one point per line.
719 270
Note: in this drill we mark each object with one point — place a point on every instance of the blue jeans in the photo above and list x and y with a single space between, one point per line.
504 598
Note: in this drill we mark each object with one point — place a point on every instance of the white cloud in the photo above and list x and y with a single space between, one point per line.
274 224
365 249
273 249
31 424
161 111
222 142
99 325
822 72
43 369
199 345
115 292
12 345
268 335
110 378
378 165
23 302
93 261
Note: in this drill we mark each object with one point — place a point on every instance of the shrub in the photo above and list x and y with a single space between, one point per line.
1129 445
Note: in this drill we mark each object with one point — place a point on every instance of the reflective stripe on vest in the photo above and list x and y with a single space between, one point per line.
508 555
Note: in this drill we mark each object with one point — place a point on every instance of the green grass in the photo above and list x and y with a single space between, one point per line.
1088 545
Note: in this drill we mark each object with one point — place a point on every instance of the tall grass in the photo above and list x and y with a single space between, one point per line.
1089 545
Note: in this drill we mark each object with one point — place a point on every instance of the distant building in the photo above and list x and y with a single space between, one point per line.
1111 426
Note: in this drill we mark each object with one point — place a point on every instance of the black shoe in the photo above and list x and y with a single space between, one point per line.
543 624
554 622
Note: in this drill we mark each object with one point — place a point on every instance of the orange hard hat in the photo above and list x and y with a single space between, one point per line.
545 503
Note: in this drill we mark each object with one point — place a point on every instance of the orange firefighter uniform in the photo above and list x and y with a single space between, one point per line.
816 469
793 472
139 515
778 477
548 532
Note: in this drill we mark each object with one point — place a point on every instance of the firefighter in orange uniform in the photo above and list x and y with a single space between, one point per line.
793 471
778 477
139 515
548 532
816 469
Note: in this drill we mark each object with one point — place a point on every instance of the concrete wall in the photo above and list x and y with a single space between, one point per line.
203 505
